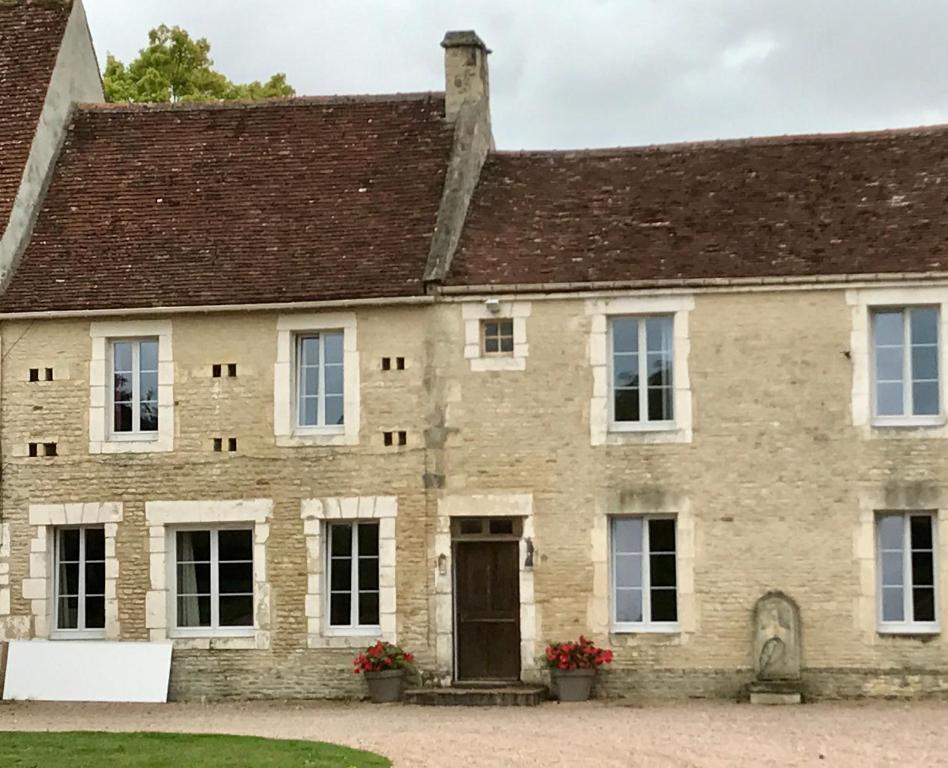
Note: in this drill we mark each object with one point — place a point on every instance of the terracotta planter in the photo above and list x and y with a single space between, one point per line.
385 686
573 684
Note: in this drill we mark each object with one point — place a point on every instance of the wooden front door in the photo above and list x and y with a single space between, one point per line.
487 610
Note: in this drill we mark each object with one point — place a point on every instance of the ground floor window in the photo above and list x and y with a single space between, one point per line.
80 580
644 574
214 579
353 555
907 567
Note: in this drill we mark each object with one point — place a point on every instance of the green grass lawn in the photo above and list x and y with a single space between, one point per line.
173 750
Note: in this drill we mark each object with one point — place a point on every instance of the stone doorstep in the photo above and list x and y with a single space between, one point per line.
775 692
500 696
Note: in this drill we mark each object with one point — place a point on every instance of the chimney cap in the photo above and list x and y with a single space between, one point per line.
463 38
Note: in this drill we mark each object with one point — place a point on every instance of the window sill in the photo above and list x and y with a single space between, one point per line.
373 631
908 422
646 629
622 434
244 641
133 445
498 363
76 635
909 630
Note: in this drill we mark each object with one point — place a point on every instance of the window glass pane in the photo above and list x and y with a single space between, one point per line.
921 528
628 571
340 574
923 603
333 345
95 578
148 417
369 608
924 325
123 418
148 386
148 356
506 344
122 388
625 370
68 615
892 607
889 399
491 344
501 526
626 405
194 546
69 544
309 383
629 605
308 412
95 543
662 570
341 539
891 528
334 410
627 534
925 398
625 334
69 578
122 356
333 379
368 573
95 612
664 605
658 334
660 404
887 328
369 539
236 611
924 363
194 578
923 569
889 364
235 545
892 569
235 578
309 350
340 605
491 328
661 535
194 611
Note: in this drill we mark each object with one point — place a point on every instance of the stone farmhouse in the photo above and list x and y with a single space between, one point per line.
282 378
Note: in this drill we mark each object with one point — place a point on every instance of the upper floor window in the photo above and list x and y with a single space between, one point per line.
497 337
642 361
80 581
905 364
907 568
644 574
135 386
320 399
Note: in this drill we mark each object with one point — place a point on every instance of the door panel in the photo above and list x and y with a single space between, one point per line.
487 584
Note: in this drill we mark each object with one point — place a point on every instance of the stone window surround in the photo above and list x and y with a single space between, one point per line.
861 301
100 385
474 313
872 502
599 611
39 588
4 570
600 310
316 514
286 432
162 518
483 505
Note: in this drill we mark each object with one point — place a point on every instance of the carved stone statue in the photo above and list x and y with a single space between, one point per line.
776 649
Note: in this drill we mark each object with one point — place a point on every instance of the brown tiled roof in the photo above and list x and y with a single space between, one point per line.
759 208
295 200
30 34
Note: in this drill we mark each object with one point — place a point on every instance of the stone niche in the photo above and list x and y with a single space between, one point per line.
776 650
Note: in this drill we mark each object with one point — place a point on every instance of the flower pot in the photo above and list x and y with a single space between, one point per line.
573 684
385 686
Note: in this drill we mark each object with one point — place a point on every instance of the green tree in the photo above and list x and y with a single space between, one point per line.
176 68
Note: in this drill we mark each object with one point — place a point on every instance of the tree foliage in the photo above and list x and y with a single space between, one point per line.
176 68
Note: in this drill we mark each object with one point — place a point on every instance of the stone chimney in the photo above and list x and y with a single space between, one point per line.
465 72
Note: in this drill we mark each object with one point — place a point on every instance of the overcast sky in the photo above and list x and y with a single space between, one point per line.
591 73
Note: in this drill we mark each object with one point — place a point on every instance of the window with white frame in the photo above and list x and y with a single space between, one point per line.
80 581
213 580
907 567
134 387
642 392
497 337
353 556
905 364
644 574
319 379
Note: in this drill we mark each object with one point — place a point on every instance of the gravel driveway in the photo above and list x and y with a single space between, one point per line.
597 734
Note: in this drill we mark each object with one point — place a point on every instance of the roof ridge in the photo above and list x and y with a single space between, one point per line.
776 140
291 101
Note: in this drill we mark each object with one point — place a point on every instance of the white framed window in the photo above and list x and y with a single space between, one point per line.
79 582
320 369
644 568
213 583
907 568
134 392
497 337
641 373
905 365
353 575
